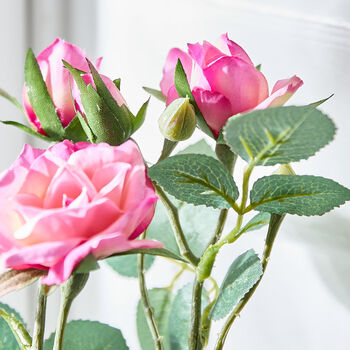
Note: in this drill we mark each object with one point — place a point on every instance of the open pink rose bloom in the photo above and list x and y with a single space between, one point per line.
61 204
224 81
61 85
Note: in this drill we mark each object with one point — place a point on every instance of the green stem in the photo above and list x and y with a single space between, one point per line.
148 309
275 223
69 291
168 147
176 226
39 325
195 338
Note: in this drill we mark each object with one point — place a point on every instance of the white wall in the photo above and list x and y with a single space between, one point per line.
303 301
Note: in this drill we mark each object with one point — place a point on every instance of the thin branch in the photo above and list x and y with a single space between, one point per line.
148 309
274 226
176 226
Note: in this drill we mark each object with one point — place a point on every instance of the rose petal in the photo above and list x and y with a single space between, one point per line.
169 68
281 92
243 85
215 107
100 246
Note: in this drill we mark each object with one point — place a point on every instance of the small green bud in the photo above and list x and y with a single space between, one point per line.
284 169
178 121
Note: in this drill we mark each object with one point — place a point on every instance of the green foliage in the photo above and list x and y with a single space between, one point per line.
180 317
100 117
200 147
196 179
26 129
153 251
40 99
12 99
88 264
117 83
126 265
75 131
258 221
278 135
161 300
242 275
155 93
7 334
184 90
297 194
138 120
89 335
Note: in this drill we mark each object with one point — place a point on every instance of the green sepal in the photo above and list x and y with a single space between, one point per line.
139 119
121 113
12 99
155 93
75 131
26 129
183 89
100 118
40 99
318 103
117 83
88 264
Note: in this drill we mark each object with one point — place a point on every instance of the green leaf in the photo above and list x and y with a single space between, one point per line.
278 135
258 221
258 67
183 89
160 229
13 335
120 113
127 265
87 265
200 147
75 131
89 335
40 99
161 300
117 83
241 276
198 224
180 317
153 251
297 194
155 93
26 129
12 99
88 132
317 103
100 118
196 179
138 120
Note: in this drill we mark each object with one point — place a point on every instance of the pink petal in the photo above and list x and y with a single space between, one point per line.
233 49
65 223
215 107
281 92
172 95
169 68
47 253
243 85
89 80
95 156
100 246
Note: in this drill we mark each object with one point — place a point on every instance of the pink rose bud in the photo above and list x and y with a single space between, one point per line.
61 204
60 84
224 81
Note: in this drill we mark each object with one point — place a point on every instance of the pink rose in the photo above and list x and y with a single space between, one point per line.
61 204
60 84
224 81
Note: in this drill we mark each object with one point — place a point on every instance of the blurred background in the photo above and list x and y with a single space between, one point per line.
303 301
